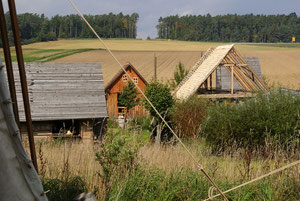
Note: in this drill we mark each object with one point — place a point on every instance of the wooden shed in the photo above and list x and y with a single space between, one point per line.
115 87
64 97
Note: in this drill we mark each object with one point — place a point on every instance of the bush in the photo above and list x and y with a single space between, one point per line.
160 96
112 123
187 116
127 97
143 122
179 75
249 124
117 158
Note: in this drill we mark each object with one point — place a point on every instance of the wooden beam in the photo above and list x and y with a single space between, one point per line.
257 78
232 79
225 96
210 81
240 80
243 75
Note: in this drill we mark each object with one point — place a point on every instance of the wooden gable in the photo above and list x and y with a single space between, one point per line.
120 79
115 86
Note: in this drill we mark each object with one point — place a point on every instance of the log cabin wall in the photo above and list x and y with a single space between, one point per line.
61 92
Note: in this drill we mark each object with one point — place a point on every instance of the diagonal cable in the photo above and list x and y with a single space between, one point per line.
200 167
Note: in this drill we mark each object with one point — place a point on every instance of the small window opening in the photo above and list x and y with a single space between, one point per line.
124 78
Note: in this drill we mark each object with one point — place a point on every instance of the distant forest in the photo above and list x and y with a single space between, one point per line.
230 28
36 28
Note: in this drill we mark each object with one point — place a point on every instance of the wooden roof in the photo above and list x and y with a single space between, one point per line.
120 73
226 56
60 91
200 72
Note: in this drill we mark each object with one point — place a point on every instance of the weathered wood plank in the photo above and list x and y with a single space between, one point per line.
60 91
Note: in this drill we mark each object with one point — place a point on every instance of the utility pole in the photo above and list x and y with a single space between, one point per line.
155 67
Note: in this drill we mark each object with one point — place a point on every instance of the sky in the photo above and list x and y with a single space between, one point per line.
150 10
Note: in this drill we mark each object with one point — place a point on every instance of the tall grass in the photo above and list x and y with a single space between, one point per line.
126 166
161 173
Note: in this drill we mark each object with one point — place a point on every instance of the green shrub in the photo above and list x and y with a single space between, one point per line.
64 190
117 158
249 124
127 97
187 116
143 122
161 97
112 123
178 75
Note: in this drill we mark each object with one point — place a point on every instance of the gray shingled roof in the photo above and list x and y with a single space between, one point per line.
223 77
59 91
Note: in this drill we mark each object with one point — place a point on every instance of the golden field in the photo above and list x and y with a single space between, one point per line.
280 63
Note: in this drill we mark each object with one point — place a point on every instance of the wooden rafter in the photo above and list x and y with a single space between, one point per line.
233 62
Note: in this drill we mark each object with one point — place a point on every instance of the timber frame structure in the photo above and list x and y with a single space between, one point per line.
201 75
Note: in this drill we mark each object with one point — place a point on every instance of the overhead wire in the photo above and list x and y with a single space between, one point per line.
210 192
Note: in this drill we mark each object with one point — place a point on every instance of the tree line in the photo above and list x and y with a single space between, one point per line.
36 28
230 28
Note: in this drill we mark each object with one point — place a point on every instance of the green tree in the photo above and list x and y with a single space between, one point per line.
179 75
161 98
127 97
240 28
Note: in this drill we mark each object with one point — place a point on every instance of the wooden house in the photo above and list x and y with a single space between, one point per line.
64 98
115 87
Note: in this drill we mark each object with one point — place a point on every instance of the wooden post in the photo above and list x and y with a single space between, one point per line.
17 40
158 134
155 67
232 79
210 82
206 84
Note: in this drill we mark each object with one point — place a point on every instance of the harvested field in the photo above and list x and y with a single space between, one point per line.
142 60
278 66
125 44
280 63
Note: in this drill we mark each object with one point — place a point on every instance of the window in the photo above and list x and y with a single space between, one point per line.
124 78
135 80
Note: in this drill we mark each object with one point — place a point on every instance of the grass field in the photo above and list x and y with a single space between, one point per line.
167 168
280 63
